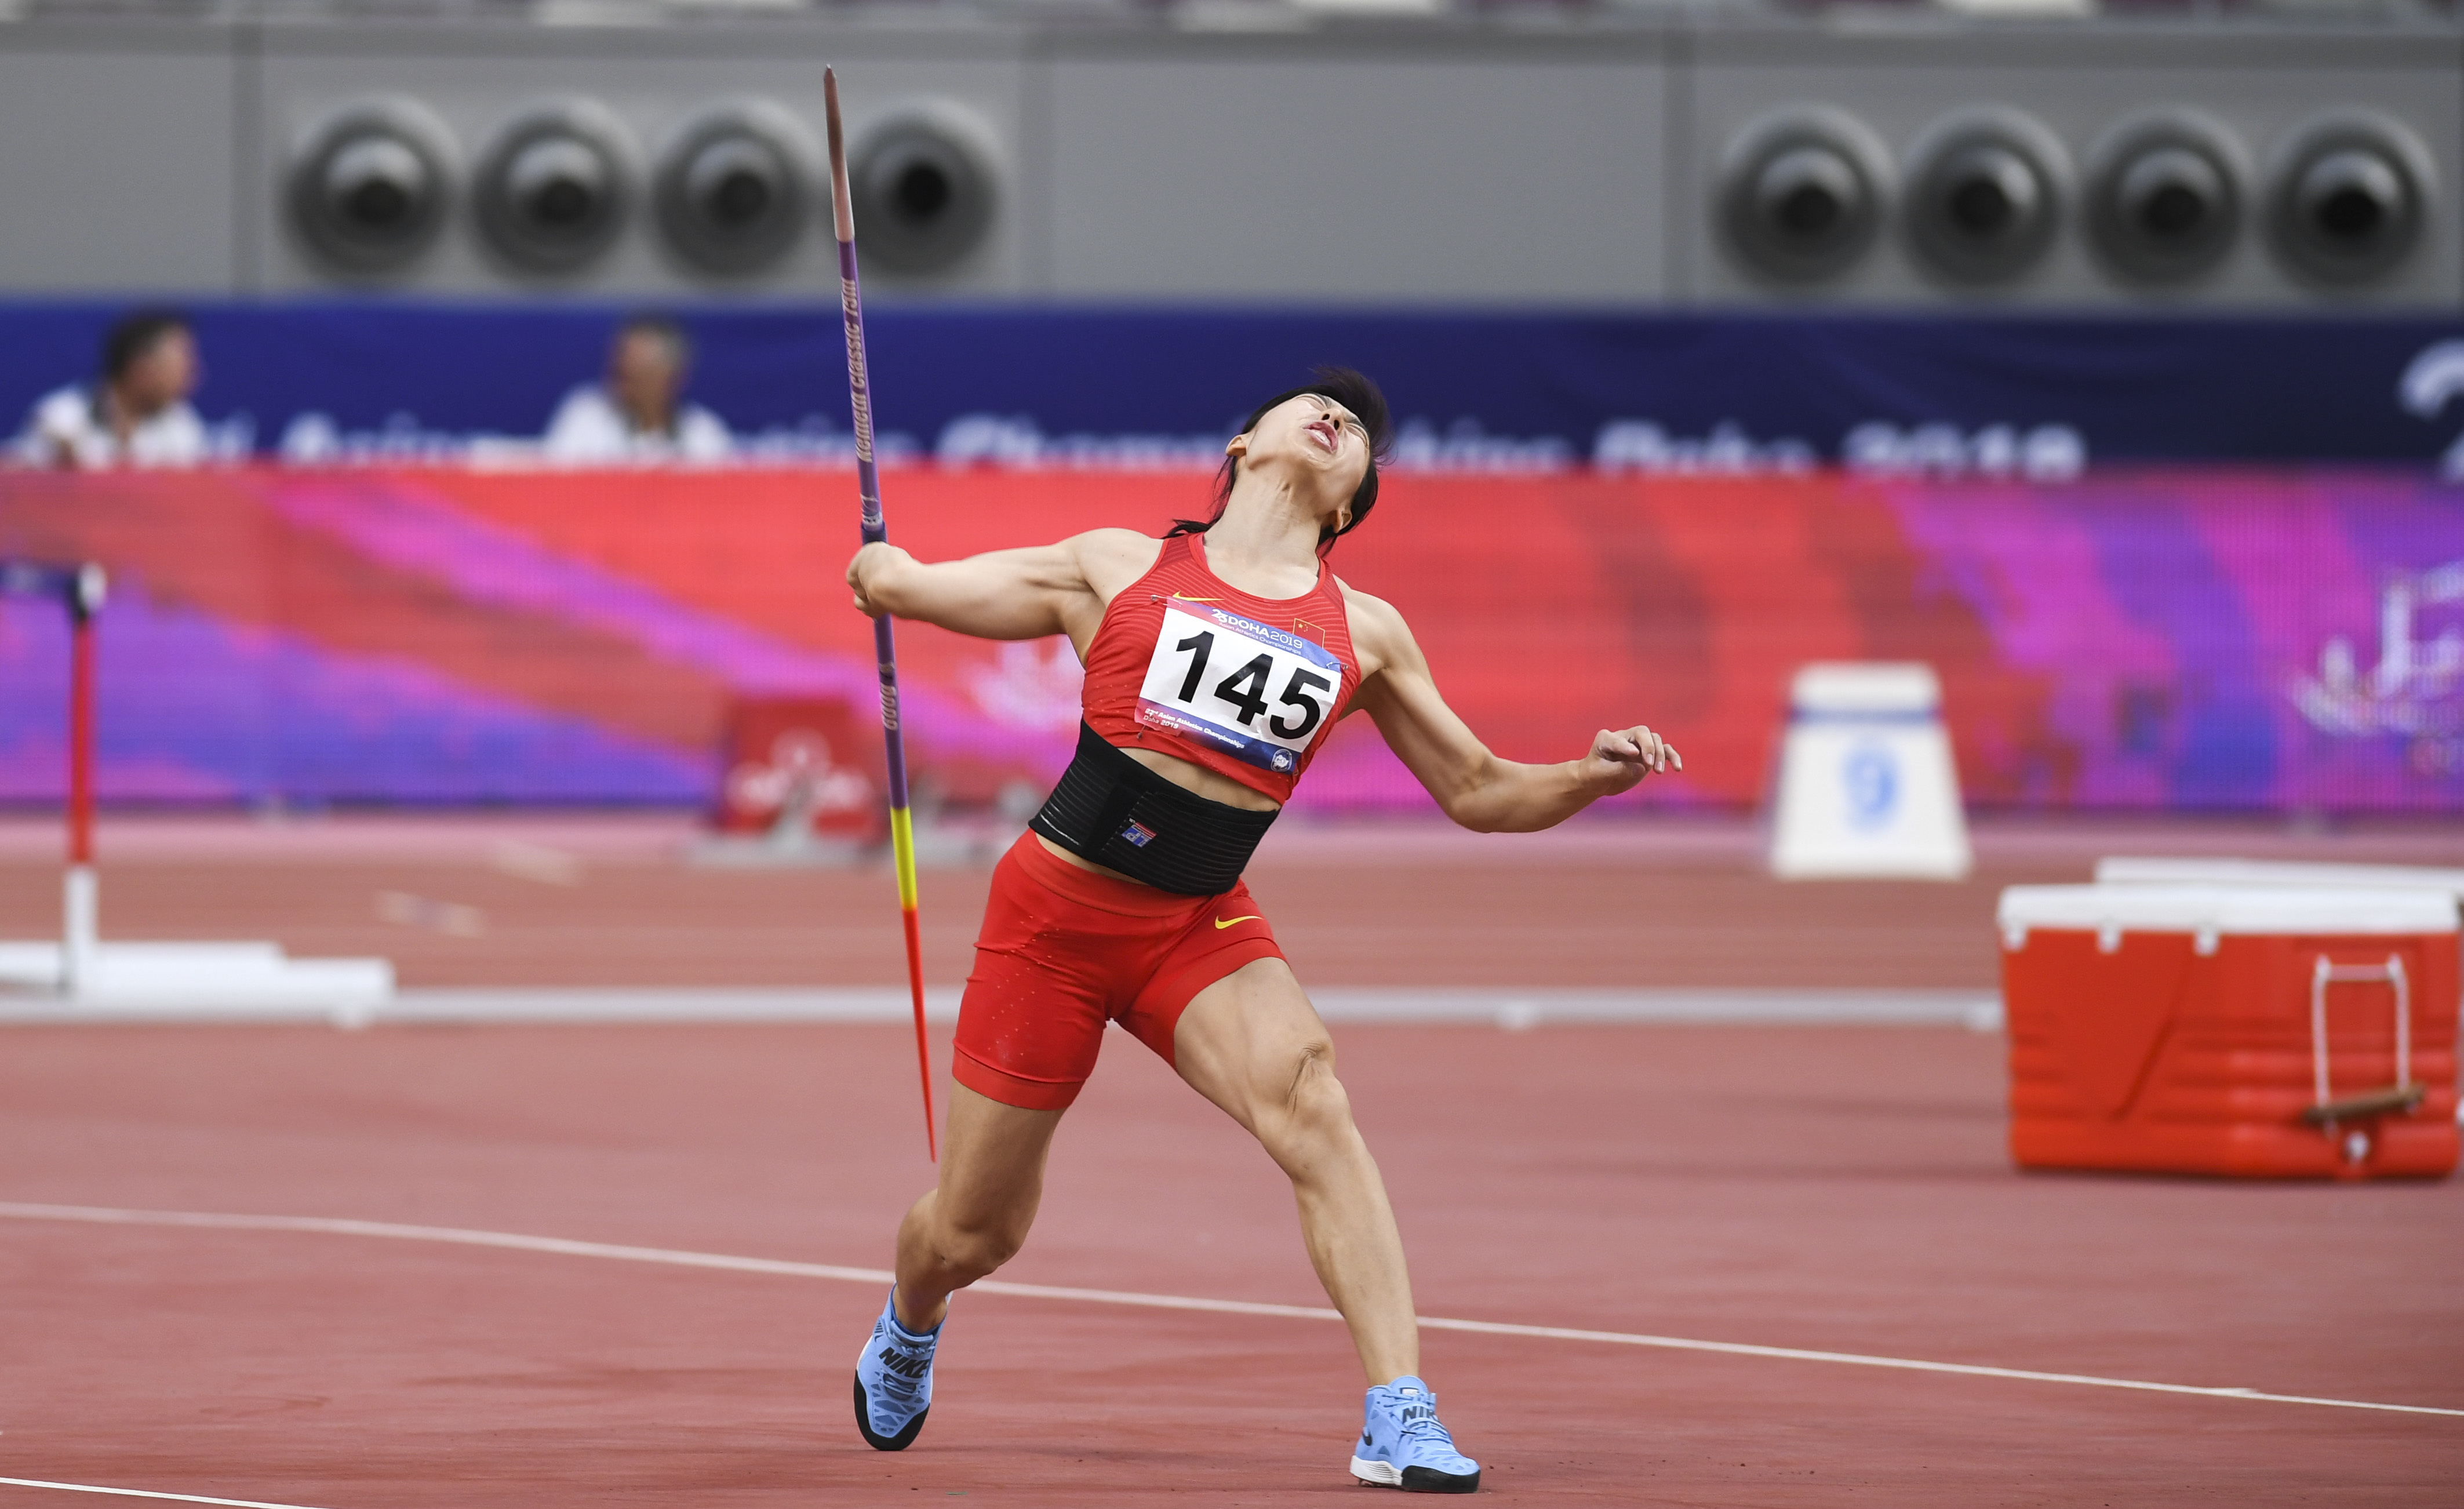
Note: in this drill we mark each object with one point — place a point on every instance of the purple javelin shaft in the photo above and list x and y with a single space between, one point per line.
868 487
867 482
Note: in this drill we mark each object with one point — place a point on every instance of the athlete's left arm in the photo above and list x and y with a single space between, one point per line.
1473 786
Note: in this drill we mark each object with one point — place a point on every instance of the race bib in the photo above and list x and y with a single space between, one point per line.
1235 684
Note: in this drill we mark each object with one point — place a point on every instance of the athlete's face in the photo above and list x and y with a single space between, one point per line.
1314 439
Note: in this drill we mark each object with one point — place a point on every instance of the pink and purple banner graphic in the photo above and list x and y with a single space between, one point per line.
2158 640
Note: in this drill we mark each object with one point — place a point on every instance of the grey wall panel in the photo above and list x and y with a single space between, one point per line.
1359 178
1456 161
653 83
117 161
2259 91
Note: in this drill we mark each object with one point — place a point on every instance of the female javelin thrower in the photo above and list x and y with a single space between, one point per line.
1217 659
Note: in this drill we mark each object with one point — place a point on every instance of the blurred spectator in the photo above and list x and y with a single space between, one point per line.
137 414
636 417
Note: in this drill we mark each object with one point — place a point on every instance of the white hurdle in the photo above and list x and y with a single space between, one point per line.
80 977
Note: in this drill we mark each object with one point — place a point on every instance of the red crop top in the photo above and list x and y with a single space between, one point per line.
1186 664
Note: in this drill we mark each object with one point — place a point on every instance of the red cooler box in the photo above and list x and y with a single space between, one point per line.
2264 1032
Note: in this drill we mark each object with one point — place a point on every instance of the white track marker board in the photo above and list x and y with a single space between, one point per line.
1866 783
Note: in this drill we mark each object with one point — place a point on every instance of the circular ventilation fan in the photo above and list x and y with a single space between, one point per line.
2164 200
553 191
2350 198
1985 194
1801 194
923 196
369 186
732 190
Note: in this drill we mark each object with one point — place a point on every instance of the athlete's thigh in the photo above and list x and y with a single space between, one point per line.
1244 1041
992 1162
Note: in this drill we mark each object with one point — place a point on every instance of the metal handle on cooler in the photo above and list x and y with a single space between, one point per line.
2403 1095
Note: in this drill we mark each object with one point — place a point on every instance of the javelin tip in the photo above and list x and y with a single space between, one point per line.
842 217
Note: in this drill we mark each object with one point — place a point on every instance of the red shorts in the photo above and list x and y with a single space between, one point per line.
1064 951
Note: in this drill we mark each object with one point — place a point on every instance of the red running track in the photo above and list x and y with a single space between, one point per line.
1839 1189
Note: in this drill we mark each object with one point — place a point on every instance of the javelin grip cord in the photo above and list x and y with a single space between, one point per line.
868 476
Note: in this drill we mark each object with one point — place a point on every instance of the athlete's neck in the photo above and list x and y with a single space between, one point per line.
1266 544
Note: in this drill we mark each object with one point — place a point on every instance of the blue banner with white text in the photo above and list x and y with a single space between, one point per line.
330 382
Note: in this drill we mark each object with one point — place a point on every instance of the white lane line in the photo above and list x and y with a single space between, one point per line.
139 1493
1510 1007
106 1216
457 1235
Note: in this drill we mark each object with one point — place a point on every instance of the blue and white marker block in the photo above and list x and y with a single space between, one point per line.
1867 782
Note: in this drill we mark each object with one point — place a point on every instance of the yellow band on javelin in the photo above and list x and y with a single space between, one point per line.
902 850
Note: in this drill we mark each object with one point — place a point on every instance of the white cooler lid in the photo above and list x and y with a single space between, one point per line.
2267 910
2131 871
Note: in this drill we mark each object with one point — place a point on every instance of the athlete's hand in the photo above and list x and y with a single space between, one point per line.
864 575
1620 758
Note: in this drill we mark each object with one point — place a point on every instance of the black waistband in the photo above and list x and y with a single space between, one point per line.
1115 811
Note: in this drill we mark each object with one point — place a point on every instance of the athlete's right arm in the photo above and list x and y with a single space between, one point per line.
1005 594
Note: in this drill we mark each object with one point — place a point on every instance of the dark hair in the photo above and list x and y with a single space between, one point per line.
1354 391
659 327
134 336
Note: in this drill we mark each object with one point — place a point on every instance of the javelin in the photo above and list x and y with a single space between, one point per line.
867 482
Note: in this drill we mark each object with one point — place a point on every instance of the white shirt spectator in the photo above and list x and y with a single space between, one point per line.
590 430
67 429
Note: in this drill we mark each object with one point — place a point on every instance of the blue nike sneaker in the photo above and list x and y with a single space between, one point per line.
893 1381
1403 1446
